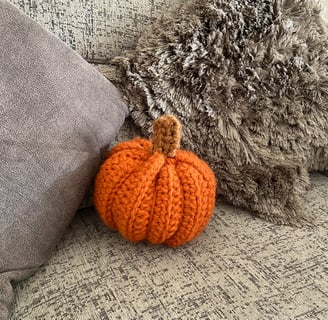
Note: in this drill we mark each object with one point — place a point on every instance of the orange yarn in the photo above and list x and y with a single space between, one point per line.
149 190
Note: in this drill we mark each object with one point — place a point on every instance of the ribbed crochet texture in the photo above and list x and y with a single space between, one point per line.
150 190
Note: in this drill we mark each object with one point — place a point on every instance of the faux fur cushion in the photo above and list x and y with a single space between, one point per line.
249 82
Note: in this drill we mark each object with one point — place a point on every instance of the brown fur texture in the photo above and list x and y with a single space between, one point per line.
249 82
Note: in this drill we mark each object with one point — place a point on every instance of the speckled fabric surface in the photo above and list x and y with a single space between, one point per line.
239 268
97 29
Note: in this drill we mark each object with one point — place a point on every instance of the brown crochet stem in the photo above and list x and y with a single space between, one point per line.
166 135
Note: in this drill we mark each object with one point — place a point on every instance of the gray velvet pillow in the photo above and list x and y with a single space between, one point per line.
57 116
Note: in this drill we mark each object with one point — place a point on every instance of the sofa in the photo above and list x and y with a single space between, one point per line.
240 267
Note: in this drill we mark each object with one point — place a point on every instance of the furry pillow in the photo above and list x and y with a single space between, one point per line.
249 82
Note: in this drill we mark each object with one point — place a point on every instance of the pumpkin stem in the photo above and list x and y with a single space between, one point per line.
166 135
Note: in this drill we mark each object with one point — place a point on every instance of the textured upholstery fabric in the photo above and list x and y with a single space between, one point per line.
57 116
325 6
239 268
97 29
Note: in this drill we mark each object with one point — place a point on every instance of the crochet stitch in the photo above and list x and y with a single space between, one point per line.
151 190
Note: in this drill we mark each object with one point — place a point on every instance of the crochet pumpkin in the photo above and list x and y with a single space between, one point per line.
151 190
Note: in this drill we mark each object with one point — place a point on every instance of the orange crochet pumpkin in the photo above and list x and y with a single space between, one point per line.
150 190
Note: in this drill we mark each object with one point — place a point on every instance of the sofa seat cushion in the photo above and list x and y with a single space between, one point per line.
238 268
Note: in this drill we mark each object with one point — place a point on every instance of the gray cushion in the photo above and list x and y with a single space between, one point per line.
239 268
57 116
